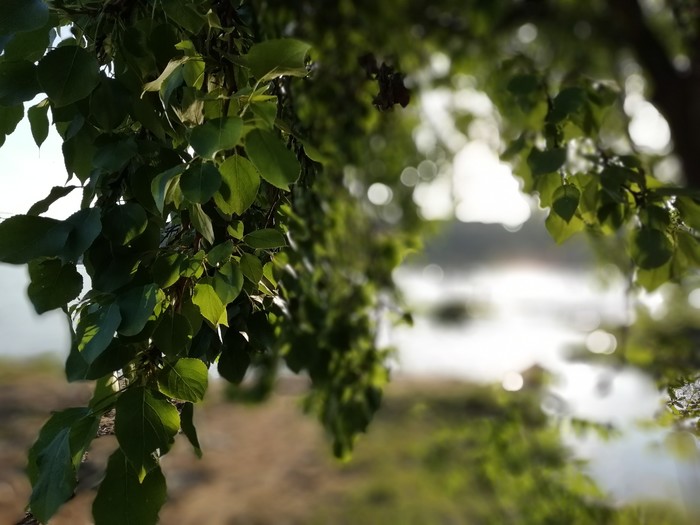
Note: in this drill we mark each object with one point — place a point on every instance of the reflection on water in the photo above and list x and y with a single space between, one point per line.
522 317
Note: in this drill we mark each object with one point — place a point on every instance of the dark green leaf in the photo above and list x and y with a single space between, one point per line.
543 162
145 422
124 222
173 334
109 104
125 498
18 82
265 239
9 118
234 360
53 285
84 227
43 205
565 201
216 135
276 164
220 253
568 102
186 380
95 331
135 308
22 15
68 74
651 248
166 269
188 428
239 187
26 237
184 14
56 477
59 421
200 182
274 58
114 155
524 84
266 113
162 182
201 222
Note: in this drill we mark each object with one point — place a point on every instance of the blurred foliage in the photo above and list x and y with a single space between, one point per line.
466 454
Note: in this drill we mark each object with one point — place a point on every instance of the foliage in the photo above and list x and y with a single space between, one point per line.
468 454
224 218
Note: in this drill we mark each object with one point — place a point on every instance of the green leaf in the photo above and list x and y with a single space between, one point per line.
55 456
184 14
56 477
114 155
188 428
109 104
652 279
266 113
161 183
43 205
568 102
651 248
173 335
200 182
53 285
239 186
115 357
228 282
566 199
689 210
251 267
124 222
9 118
210 305
22 15
166 269
105 393
276 57
276 164
234 360
172 69
135 308
561 230
145 423
59 421
83 228
220 253
186 380
95 331
265 239
524 84
202 222
26 237
68 74
125 498
543 162
18 82
216 135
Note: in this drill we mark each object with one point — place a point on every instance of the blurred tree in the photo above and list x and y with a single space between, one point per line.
243 205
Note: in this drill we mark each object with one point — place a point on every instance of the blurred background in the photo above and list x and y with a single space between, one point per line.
528 379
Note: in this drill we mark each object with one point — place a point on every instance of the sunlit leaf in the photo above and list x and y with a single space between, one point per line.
277 57
186 380
239 186
275 163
